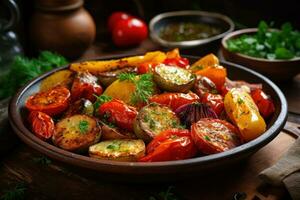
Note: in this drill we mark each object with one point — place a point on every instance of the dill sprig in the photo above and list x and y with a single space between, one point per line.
101 100
144 86
16 193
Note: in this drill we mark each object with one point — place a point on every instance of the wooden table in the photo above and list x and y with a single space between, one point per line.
42 178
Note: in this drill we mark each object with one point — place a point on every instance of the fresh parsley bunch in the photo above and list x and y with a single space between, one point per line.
268 43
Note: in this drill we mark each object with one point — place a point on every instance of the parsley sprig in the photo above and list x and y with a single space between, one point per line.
144 86
83 126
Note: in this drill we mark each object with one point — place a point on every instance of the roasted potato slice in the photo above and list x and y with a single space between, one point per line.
112 133
152 120
76 133
173 79
120 150
107 78
63 78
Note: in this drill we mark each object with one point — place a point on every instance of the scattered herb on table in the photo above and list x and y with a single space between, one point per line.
268 43
24 69
16 193
144 86
165 195
43 160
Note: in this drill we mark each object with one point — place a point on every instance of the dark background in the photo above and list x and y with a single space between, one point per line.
244 13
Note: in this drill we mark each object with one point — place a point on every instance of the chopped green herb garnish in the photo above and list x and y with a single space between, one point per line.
143 86
106 116
152 124
43 160
83 126
101 100
16 193
197 68
146 118
214 91
174 124
268 43
114 146
207 138
240 101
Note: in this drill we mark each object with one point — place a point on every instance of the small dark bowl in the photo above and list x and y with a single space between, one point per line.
276 70
194 47
156 171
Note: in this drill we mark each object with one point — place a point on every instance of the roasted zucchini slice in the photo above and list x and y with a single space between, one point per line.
173 79
120 150
76 133
153 119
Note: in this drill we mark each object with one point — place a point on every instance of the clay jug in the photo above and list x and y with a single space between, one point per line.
64 27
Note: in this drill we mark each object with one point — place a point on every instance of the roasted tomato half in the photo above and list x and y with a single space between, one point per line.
118 113
264 103
51 102
173 144
215 101
85 86
214 135
42 124
174 100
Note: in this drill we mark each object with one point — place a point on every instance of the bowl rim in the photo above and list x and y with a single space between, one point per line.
191 43
247 31
96 164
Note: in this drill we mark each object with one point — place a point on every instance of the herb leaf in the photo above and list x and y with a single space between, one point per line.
101 100
17 192
83 126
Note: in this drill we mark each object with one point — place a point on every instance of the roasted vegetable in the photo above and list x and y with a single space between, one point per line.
51 102
81 106
85 86
173 79
264 103
120 150
111 132
214 135
204 85
173 144
107 78
62 78
206 61
215 101
174 100
243 112
96 67
193 112
153 119
76 133
42 125
248 87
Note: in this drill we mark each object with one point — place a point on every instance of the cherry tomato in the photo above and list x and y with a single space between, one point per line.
204 85
215 101
85 86
173 144
41 124
51 102
229 84
216 74
118 113
146 67
179 62
214 135
129 32
174 100
264 103
115 17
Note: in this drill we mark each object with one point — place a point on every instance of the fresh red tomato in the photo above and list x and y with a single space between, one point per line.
41 124
229 84
85 86
215 101
204 85
174 100
118 113
264 103
216 74
51 102
129 32
214 135
173 144
115 17
179 62
146 67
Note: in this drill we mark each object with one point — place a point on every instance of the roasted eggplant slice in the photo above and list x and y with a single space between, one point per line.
173 79
120 150
111 133
82 106
107 78
153 119
76 133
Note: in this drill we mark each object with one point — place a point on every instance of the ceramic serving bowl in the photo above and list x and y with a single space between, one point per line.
195 47
276 70
156 171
